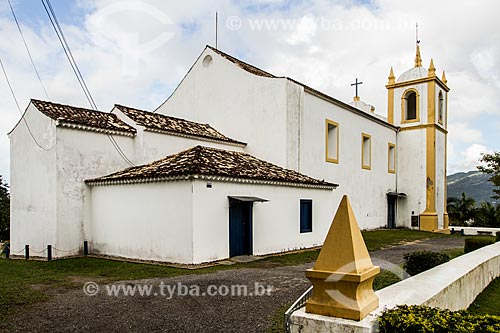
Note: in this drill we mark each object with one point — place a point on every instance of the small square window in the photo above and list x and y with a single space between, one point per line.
305 215
366 151
392 158
332 141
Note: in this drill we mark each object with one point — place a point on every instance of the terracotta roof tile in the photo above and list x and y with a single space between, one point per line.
205 161
84 117
171 125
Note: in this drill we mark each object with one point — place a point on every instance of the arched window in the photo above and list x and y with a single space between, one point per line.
410 112
440 108
411 105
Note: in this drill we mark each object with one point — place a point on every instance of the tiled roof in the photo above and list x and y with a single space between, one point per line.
81 117
216 163
176 126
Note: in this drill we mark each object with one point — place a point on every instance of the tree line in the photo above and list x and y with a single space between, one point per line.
464 212
4 210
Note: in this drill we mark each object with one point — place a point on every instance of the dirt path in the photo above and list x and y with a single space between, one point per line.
73 311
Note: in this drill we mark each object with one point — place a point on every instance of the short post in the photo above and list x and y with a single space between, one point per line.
49 252
7 251
85 248
462 232
27 251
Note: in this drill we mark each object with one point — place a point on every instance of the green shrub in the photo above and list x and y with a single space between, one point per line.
498 236
420 261
472 244
422 319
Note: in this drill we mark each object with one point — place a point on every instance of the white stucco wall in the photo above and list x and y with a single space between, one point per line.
241 105
276 223
440 177
151 221
412 173
33 184
82 155
367 188
186 222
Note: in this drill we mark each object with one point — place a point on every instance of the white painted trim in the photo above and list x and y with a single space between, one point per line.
205 177
60 123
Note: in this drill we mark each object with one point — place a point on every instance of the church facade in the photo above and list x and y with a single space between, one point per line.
236 161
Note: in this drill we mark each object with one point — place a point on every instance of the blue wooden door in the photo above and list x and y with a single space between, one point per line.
391 211
240 227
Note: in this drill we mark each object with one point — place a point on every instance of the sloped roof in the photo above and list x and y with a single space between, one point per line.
176 126
205 162
257 71
82 117
246 66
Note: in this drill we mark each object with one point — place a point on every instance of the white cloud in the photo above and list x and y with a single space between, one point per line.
461 132
303 31
470 158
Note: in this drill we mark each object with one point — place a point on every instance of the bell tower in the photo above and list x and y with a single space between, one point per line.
418 105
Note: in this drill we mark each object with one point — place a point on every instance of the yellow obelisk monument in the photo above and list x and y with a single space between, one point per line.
343 274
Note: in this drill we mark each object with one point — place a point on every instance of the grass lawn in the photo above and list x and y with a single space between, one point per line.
26 282
488 302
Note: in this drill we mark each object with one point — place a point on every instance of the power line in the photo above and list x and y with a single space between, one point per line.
69 55
27 49
67 50
20 111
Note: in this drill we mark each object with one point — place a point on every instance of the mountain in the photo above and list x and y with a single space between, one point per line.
475 184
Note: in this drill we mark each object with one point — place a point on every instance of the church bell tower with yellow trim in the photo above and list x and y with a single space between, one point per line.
418 105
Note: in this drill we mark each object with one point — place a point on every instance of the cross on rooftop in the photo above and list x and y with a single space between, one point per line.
356 84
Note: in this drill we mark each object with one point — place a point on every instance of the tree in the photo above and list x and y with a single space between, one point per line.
461 210
488 215
492 167
4 210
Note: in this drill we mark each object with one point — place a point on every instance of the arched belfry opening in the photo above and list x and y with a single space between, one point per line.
410 101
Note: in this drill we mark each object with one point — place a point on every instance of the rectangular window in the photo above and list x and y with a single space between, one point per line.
305 215
366 151
332 141
392 158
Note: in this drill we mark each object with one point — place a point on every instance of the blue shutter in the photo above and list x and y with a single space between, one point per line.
305 215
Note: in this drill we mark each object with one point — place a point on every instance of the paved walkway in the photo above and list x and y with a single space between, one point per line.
73 311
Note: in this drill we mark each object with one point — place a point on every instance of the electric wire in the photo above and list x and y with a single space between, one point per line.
70 58
20 111
27 49
67 50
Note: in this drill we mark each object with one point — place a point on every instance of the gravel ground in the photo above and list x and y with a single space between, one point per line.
73 311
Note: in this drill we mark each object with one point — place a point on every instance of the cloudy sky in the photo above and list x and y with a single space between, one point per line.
136 52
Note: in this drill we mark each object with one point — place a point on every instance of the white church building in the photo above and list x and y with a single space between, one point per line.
236 161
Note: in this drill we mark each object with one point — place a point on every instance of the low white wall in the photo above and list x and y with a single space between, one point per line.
151 221
275 223
473 231
453 285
